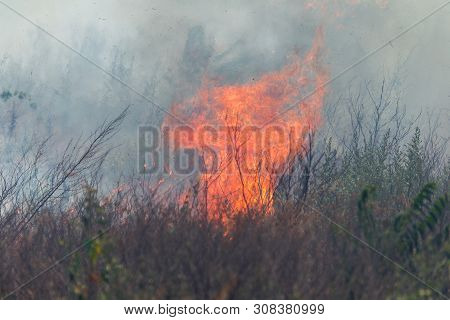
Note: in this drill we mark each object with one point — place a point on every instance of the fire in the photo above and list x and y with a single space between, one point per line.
249 132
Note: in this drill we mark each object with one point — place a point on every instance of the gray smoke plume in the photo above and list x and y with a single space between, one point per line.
163 48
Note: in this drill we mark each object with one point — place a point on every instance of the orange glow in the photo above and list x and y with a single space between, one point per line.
254 128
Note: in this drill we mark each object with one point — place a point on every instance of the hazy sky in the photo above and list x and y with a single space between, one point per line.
161 48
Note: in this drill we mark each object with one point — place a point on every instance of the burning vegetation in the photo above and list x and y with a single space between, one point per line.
248 134
286 204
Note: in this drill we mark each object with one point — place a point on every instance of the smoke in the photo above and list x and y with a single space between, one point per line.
163 48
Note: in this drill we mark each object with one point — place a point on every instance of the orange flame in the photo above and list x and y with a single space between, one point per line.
254 129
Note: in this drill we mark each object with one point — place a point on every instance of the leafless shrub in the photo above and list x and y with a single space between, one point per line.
28 185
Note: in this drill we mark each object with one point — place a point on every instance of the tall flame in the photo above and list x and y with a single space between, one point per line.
254 129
